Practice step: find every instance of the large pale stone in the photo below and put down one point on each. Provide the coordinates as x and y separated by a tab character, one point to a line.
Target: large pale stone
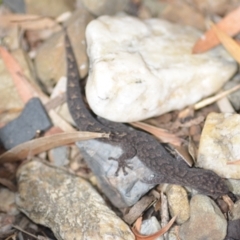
140	69
219	144
67	204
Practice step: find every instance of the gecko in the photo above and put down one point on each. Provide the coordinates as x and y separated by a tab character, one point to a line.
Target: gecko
134	142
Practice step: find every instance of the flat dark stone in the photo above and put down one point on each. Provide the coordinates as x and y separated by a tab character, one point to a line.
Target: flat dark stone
233	230
32	119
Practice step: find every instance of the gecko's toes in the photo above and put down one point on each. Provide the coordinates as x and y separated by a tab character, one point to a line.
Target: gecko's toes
122	164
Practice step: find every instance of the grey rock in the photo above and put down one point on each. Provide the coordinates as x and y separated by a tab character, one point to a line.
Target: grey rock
206	221
122	190
234	185
151	226
33	118
233	231
15	5
236	211
235	96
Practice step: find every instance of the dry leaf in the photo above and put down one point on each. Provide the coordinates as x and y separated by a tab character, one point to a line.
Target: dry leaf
186	113
5	182
137	225
160	133
229	24
192	149
36	146
237	162
183	152
16	72
229	202
27	22
231	46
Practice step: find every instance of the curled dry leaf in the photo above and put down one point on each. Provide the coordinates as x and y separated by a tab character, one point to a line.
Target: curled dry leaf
229	202
139	236
36	146
160	133
7	183
229	24
192	149
183	152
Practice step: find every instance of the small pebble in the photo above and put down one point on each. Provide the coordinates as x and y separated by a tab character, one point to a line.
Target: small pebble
206	221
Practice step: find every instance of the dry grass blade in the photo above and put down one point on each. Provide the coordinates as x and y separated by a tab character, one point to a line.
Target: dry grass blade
137	225
36	146
210	100
160	133
231	46
229	24
20	229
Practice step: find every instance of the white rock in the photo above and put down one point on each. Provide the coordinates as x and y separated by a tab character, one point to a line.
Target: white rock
140	69
234	186
219	144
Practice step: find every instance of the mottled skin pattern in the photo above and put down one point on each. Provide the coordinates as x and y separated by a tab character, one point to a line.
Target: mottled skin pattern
135	142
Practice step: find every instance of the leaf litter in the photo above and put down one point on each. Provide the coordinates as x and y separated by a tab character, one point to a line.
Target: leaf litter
218	34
